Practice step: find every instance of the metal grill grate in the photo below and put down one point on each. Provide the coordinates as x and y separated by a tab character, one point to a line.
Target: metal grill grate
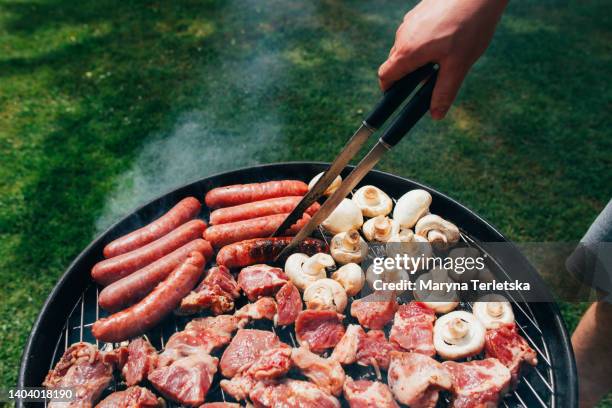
536	387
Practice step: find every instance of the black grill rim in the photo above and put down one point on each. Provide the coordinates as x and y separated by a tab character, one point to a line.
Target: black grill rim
48	325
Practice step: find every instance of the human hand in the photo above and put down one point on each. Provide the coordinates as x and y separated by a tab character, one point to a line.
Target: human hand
451	33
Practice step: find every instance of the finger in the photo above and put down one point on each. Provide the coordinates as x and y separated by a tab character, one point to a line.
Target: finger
398	65
449	81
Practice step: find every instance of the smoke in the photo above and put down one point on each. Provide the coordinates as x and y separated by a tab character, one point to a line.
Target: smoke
203	142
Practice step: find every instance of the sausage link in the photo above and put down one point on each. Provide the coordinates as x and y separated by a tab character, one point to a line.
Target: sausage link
187	209
271	206
113	269
262	227
247	193
129	290
147	313
264	250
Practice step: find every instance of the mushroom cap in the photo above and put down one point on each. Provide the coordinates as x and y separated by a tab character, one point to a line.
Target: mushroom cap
346	216
347	247
300	275
419	247
330	189
372	201
325	294
351	277
458	334
380	228
493	311
411	206
388	275
437	229
463	252
441	301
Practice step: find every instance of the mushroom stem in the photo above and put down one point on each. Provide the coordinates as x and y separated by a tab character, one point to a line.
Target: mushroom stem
371	195
351	241
317	263
457	330
495	309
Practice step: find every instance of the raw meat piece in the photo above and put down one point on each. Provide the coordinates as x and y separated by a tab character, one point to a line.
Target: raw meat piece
246	346
291	394
263	308
374	311
368	394
478	383
506	345
142	359
415	379
413	328
289	303
326	373
261	280
321	329
216	292
133	397
346	350
374	349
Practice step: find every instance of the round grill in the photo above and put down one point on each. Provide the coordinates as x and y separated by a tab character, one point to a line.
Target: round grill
72	306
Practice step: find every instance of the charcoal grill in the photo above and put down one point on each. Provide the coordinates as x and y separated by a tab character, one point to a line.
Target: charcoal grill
72	306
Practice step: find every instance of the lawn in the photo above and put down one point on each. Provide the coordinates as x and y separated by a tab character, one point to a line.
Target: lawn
105	104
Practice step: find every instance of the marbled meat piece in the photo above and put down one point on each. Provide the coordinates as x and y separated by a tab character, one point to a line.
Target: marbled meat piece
320	329
216	292
326	373
507	345
132	397
261	280
291	394
289	304
412	328
246	346
374	311
368	394
346	350
375	349
142	359
262	308
478	383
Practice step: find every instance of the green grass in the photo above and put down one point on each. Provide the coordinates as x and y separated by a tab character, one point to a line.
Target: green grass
104	104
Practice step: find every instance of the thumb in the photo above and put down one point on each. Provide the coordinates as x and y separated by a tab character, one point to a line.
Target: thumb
449	81
399	64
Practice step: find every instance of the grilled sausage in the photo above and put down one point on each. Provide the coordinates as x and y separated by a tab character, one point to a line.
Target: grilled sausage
113	269
263	250
262	227
184	211
151	310
129	290
271	206
247	193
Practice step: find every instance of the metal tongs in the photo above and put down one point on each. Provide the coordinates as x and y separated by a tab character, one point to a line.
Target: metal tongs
410	114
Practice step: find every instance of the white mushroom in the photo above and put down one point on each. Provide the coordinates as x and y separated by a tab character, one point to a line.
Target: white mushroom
393	275
325	294
462	273
372	201
346	216
457	335
493	311
411	206
331	188
347	247
302	270
442	301
437	230
380	228
351	277
405	242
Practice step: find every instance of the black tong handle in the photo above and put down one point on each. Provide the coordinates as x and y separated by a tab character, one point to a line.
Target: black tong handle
411	113
397	94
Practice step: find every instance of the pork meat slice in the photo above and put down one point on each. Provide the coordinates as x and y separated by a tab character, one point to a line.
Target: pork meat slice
261	280
412	328
142	359
186	380
478	383
86	370
220	405
262	308
375	310
326	373
320	329
132	397
291	394
216	292
289	304
346	350
375	350
246	346
415	379
368	394
512	350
